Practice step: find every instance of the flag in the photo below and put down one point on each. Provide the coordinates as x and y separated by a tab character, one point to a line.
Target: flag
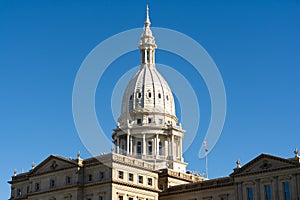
204	143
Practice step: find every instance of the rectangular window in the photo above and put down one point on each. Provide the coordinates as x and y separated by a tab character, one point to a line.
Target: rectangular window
130	198
139	121
37	186
19	192
268	195
160	148
102	175
101	198
139	148
286	189
249	194
141	179
68	180
121	175
149	181
90	177
149	148
120	197
52	183
130	177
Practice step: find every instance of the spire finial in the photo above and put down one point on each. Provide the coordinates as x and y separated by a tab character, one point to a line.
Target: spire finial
147	22
238	163
32	165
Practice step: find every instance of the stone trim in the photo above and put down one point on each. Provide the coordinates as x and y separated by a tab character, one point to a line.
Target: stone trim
203	185
135	186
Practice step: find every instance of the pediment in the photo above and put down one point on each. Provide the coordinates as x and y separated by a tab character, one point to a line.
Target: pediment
53	163
264	163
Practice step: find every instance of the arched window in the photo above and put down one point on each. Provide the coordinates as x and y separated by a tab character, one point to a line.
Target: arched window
139	95
149	94
139	148
160	148
148	56
149	148
159	95
167	97
90	177
143	56
177	149
130	97
122	147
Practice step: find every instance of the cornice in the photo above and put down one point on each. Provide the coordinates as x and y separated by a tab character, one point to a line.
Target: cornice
203	185
136	186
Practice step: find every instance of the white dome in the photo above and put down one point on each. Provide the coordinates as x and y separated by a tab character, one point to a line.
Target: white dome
148	95
148	98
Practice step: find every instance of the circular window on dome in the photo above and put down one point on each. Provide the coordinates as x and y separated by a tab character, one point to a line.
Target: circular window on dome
139	95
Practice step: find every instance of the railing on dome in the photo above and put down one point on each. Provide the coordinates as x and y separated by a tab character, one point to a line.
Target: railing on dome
145	157
132	161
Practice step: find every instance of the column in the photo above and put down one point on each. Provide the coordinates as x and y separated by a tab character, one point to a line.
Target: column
172	147
153	57
257	189
297	184
131	145
168	148
145	55
128	136
275	190
118	144
180	148
293	186
238	191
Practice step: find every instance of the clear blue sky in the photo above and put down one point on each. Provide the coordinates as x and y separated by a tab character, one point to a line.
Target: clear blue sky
256	46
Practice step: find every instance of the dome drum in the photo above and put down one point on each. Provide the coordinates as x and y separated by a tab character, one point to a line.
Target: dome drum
147	127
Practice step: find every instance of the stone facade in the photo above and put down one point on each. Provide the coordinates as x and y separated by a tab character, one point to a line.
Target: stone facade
147	163
109	176
114	176
265	177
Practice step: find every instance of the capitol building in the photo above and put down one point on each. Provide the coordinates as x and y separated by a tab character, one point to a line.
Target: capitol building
147	163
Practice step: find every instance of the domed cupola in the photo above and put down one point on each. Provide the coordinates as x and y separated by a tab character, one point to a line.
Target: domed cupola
147	127
148	97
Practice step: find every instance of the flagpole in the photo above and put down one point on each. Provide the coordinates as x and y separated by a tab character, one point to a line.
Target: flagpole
206	158
206	162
